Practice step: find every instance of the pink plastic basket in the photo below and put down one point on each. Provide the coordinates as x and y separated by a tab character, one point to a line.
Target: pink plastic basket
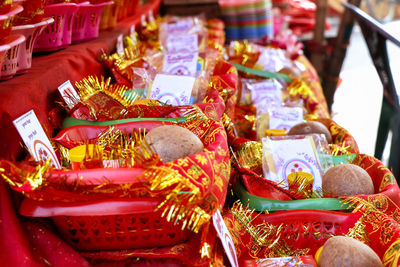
9	56
57	35
87	21
30	32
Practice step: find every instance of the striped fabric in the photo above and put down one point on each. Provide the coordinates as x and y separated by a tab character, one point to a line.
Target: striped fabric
247	19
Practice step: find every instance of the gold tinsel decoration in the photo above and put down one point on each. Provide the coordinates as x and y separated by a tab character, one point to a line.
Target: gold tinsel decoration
91	85
265	235
20	176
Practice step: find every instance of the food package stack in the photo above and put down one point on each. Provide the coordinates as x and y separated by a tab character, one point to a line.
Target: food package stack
247	19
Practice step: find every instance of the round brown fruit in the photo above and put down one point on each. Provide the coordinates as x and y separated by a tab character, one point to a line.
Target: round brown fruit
173	142
311	127
347	179
339	251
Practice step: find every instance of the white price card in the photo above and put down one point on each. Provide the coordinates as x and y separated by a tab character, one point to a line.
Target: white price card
35	138
225	238
180	63
120	44
172	89
69	94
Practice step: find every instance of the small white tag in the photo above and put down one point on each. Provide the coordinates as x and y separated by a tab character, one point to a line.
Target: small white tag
284	118
132	31
69	94
182	43
35	138
172	89
225	238
120	44
143	20
151	17
181	63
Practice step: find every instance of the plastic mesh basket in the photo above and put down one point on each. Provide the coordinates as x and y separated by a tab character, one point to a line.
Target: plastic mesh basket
144	230
87	21
11	49
109	224
31	32
58	34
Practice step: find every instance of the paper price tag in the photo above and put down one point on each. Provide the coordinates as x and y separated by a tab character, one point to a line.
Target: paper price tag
172	89
69	94
120	44
35	138
180	63
225	238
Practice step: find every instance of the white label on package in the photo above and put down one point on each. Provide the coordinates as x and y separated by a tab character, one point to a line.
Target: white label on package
69	94
181	25
120	44
225	238
172	89
288	156
182	43
35	138
266	92
180	63
284	118
272	59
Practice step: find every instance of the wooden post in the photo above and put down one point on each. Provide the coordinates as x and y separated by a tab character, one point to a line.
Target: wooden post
336	58
318	43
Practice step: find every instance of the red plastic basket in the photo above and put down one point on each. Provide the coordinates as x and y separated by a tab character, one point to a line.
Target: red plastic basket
59	34
87	21
300	231
109	224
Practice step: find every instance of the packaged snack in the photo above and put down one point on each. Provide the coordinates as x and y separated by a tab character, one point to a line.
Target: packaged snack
175	90
284	155
272	59
179	34
277	117
264	92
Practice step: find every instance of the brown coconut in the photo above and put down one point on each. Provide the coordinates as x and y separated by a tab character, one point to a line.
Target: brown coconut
340	251
347	179
311	127
173	142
